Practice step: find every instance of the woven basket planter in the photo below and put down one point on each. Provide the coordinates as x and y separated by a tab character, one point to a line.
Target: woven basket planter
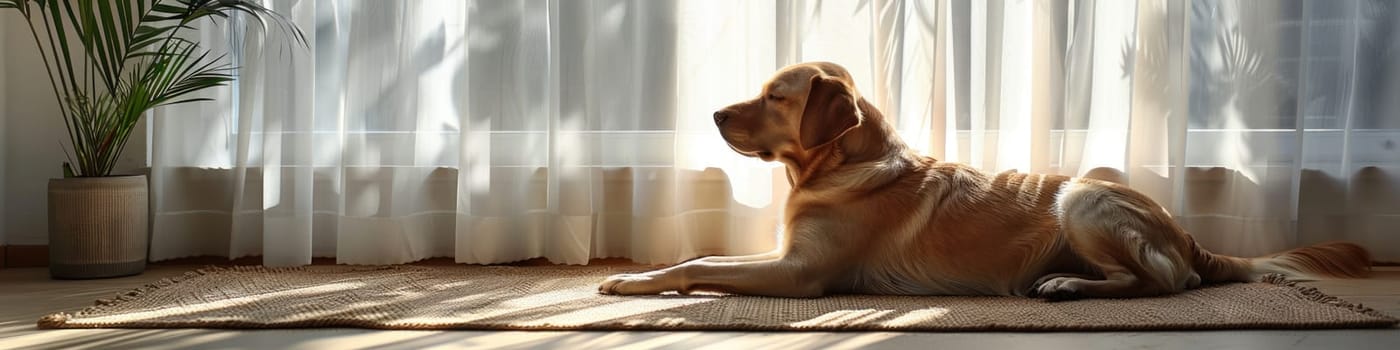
97	226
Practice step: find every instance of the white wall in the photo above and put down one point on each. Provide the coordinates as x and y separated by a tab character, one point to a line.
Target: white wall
30	132
3	116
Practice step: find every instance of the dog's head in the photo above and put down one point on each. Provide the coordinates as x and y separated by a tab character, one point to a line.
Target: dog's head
802	108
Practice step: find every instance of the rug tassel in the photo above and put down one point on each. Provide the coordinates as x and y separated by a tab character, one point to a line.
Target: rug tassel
54	320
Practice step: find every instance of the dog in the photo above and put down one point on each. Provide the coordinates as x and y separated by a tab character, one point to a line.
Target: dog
867	215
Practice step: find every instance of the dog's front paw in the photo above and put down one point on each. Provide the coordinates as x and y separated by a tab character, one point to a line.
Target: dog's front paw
632	284
1059	288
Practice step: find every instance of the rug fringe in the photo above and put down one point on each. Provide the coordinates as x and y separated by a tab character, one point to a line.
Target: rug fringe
60	319
1315	295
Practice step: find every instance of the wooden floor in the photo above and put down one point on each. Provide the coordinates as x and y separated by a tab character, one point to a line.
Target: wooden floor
27	294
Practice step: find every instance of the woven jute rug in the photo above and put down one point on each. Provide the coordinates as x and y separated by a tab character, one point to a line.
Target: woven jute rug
565	298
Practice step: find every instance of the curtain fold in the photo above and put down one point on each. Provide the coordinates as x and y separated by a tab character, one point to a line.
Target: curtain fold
496	131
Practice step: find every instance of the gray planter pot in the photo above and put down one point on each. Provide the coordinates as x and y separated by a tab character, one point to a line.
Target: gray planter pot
97	227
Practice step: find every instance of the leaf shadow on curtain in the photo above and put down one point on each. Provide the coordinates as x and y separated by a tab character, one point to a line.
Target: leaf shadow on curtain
1229	206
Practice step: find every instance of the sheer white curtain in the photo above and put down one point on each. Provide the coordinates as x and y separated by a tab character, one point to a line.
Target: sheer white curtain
488	131
494	131
1261	125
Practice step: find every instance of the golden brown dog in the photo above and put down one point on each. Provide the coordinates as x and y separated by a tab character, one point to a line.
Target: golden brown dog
867	215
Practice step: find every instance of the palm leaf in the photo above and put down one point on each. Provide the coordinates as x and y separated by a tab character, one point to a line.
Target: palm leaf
124	57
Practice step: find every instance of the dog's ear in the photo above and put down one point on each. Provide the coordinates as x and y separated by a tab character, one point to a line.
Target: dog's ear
830	112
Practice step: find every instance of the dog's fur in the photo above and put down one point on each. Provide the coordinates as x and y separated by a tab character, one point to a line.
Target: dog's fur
867	215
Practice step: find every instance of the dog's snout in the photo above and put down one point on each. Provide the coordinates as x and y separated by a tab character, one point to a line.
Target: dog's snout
721	116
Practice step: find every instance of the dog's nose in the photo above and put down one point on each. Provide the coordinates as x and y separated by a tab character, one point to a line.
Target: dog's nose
720	117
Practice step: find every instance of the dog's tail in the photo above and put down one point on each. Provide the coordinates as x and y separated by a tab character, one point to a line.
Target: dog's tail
1326	260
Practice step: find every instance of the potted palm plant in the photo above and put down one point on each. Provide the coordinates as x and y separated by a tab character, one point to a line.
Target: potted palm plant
109	62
